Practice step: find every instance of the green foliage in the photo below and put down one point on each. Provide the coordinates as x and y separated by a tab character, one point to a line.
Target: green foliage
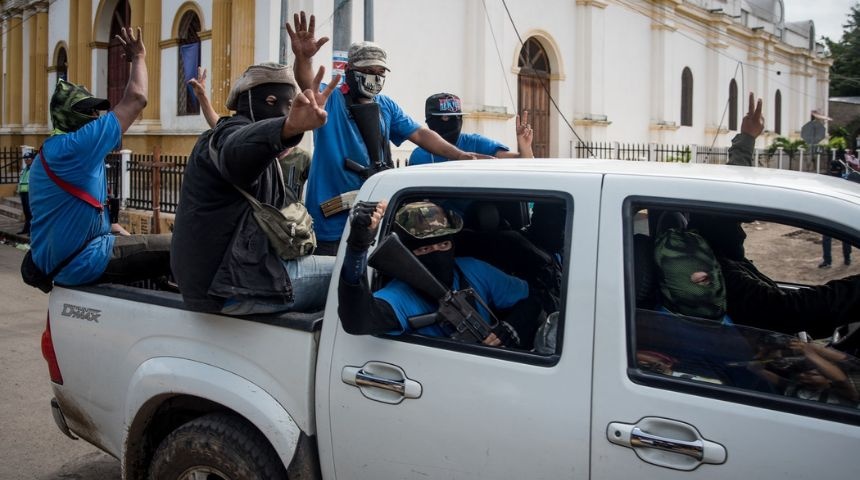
789	147
839	143
684	157
845	72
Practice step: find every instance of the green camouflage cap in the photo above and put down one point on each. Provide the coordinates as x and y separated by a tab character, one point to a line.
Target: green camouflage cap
424	220
679	254
71	106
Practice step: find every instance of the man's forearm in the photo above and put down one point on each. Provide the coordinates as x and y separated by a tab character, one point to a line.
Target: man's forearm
741	151
136	88
433	143
303	70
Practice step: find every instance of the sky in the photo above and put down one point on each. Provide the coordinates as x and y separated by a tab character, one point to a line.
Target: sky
828	15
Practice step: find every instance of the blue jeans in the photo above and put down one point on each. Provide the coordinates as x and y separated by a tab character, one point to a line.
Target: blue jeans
309	277
825	247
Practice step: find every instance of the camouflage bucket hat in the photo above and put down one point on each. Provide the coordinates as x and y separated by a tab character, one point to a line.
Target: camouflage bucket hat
682	257
424	220
71	106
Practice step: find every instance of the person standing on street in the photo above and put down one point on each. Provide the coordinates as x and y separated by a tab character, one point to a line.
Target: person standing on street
24	191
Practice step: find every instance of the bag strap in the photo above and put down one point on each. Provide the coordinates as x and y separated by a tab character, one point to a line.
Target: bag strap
288	192
72	190
56	271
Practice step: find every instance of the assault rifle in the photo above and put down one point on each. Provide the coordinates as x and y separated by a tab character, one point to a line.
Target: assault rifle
456	307
366	116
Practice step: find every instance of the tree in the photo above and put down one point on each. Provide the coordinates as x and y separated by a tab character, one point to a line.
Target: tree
845	72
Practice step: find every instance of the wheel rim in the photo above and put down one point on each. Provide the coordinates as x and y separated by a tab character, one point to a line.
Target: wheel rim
203	473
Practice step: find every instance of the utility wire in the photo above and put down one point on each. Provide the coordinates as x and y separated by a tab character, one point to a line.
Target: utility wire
499	54
546	85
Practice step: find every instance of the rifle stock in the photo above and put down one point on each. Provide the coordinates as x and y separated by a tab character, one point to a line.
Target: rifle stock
366	116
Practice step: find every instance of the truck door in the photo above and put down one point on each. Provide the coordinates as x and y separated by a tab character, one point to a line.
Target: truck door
413	406
685	391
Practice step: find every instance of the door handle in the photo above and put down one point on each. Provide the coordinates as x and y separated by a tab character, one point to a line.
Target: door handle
652	438
640	439
382	382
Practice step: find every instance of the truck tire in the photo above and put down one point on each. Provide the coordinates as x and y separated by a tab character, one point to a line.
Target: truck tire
216	446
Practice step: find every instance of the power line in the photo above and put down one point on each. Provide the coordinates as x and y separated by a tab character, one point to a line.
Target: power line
545	85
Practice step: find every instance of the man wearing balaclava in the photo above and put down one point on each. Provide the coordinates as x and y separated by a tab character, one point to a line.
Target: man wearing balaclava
221	258
340	139
444	115
427	230
753	298
69	229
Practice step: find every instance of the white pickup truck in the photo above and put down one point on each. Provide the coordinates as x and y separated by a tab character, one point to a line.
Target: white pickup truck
625	389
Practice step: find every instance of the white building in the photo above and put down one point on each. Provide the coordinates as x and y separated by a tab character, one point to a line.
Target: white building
666	71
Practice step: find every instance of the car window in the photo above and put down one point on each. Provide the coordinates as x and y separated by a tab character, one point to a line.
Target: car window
510	253
739	303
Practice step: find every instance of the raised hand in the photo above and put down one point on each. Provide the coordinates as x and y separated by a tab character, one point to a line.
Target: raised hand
753	122
302	39
524	129
131	46
199	84
364	220
308	110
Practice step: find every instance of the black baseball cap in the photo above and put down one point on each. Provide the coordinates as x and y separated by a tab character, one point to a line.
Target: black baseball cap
443	104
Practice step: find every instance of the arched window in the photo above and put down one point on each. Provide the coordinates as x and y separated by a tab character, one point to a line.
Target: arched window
533	92
687	98
777	112
733	105
188	61
118	70
62	65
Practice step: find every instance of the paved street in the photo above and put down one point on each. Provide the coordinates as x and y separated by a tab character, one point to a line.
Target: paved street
31	446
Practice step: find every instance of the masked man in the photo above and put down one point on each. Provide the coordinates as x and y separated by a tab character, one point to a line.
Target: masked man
343	157
444	115
427	229
222	259
75	230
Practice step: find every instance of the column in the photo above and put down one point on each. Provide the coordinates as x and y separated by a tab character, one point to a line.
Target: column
242	38
221	77
665	82
147	15
14	68
590	108
83	54
39	65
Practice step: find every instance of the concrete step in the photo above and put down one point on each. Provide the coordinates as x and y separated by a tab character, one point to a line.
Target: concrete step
11	212
11	201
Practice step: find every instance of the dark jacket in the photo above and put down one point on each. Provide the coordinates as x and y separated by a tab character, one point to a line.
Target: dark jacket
218	250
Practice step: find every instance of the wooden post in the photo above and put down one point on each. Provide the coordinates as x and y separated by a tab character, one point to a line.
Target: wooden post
156	165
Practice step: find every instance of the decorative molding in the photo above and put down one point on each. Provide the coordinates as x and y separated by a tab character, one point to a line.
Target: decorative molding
663	26
588	122
489	115
663	125
205	35
99	45
172	42
712	130
593	3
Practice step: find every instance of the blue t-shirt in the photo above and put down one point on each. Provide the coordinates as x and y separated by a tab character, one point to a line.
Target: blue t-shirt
62	222
498	290
337	140
467	142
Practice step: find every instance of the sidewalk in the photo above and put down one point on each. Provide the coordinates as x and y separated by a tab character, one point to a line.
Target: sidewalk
9	229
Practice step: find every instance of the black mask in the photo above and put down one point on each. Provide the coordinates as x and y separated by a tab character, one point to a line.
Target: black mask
447	129
441	265
252	104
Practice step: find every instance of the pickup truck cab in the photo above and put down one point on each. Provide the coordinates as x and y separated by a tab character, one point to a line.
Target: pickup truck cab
619	388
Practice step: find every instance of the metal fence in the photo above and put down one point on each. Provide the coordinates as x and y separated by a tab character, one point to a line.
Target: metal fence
10	164
149	171
805	161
